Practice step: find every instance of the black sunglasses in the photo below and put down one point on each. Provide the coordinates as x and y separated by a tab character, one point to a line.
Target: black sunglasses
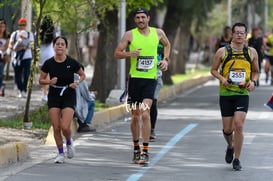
21	25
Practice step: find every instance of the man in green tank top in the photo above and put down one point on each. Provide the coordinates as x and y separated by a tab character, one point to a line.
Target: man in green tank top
142	42
237	78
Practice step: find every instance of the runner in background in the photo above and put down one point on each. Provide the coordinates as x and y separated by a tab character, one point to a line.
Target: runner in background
153	111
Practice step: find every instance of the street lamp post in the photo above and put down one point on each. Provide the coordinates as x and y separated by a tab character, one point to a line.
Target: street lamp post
122	28
265	15
26	12
229	12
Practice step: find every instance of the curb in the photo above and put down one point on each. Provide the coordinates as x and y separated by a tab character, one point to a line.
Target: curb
18	151
13	152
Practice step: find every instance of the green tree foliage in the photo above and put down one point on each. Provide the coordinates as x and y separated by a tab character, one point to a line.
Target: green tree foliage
11	12
183	18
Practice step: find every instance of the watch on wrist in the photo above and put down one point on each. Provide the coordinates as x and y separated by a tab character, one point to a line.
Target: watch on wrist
166	58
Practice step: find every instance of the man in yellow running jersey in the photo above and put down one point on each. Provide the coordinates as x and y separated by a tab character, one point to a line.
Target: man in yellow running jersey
237	78
142	42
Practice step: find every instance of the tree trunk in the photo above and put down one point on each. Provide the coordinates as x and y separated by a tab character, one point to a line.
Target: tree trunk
74	48
175	51
170	26
33	66
105	72
182	57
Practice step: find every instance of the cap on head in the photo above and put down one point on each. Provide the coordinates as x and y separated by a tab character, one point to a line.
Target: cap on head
22	21
141	10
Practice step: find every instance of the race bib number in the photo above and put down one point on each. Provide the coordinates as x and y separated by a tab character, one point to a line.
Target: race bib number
237	75
145	62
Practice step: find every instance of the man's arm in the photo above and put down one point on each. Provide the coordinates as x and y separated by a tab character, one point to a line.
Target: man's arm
163	65
216	64
120	50
254	65
165	42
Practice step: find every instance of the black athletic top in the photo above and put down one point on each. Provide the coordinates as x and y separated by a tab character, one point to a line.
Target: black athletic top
64	71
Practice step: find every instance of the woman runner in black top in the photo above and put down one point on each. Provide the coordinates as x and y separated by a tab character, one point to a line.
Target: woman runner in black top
62	94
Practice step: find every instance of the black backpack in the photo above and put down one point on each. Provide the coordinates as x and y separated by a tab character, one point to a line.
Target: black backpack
229	50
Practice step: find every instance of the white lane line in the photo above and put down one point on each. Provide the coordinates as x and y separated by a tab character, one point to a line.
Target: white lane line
163	151
264	115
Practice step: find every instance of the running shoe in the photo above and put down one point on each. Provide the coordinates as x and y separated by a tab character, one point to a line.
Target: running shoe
136	156
85	128
144	158
229	155
19	95
44	98
59	158
70	150
236	165
24	94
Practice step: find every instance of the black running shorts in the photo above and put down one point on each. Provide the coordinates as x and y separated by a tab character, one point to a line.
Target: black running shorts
139	89
270	58
231	104
68	99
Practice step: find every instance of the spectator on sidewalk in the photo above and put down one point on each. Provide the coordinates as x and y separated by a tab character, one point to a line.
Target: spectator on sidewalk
85	106
4	42
21	70
47	34
24	43
62	94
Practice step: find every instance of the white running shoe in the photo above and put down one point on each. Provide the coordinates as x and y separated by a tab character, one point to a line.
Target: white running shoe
19	95
44	98
70	150
59	158
24	94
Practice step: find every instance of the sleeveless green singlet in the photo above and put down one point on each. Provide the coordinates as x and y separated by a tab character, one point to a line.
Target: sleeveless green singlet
145	65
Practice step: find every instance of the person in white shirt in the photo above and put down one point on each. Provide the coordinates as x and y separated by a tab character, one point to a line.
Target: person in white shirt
21	70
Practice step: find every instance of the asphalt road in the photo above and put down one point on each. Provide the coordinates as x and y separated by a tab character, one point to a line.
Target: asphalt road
189	146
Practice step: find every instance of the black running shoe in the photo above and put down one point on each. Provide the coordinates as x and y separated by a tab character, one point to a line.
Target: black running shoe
236	165
229	155
136	156
144	158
